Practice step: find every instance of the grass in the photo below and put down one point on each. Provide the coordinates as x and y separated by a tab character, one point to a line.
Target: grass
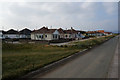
88	43
20	59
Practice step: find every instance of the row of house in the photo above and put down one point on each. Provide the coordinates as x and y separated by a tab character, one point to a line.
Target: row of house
42	34
14	34
98	33
49	34
54	34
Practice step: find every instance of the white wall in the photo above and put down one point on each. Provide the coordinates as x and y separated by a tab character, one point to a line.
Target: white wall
34	36
67	36
61	35
12	36
49	37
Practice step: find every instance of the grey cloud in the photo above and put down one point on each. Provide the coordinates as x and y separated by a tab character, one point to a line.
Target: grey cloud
79	15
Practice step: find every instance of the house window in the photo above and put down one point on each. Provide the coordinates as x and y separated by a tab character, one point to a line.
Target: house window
69	36
66	36
54	36
45	35
42	36
39	36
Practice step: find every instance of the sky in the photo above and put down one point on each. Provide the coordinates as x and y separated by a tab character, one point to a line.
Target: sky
79	15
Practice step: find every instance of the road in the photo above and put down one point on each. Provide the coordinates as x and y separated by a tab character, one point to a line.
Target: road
93	64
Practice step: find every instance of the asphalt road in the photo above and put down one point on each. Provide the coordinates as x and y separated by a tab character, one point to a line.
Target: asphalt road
93	64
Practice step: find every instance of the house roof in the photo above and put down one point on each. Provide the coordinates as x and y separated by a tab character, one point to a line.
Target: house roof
92	32
4	32
11	31
61	31
44	30
102	31
25	31
70	31
107	32
51	30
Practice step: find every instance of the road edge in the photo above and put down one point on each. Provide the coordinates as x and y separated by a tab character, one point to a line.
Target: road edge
113	69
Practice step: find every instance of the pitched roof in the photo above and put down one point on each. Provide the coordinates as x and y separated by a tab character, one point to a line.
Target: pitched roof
92	32
25	31
60	30
4	32
70	31
102	31
44	30
11	31
51	30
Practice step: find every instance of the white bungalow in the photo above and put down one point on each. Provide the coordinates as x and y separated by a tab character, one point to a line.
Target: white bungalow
45	34
25	33
12	34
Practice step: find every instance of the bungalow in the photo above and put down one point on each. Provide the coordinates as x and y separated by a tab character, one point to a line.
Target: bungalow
54	34
107	33
104	33
70	33
92	33
25	33
11	34
45	34
98	33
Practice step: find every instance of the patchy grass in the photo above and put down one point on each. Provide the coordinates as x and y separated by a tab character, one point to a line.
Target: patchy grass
19	59
91	42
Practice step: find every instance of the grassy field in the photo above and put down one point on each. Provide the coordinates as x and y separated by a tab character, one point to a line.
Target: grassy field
19	59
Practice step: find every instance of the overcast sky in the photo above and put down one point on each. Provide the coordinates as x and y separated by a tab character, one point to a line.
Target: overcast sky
79	15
